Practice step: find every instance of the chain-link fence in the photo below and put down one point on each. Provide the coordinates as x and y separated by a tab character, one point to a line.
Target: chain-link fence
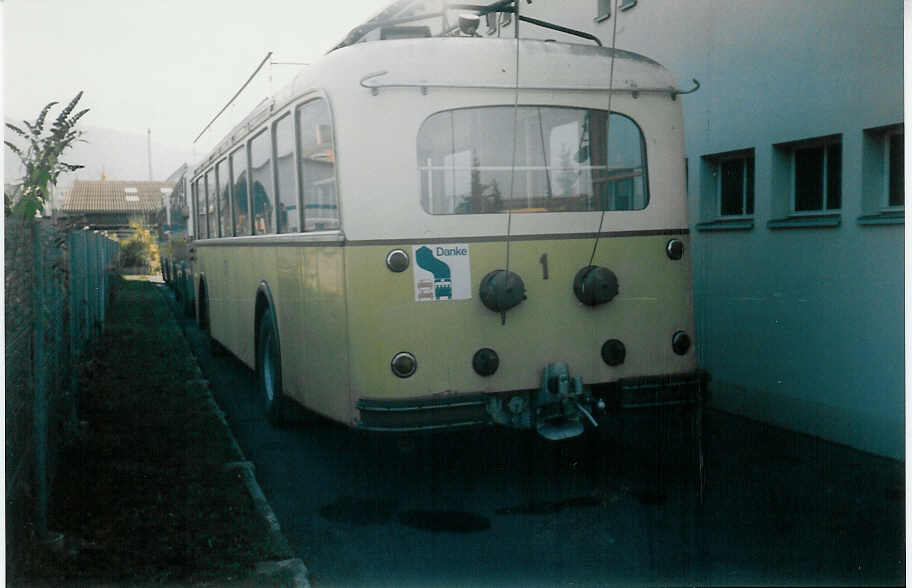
57	288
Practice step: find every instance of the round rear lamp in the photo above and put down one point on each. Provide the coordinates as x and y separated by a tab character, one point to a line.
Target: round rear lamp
485	361
613	352
397	260
675	249
404	364
680	342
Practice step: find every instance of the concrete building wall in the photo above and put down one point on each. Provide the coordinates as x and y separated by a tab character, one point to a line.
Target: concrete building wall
799	320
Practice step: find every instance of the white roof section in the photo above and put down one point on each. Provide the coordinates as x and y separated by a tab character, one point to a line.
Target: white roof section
462	62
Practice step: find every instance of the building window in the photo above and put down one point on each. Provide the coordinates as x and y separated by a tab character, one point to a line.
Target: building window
730	184
816	184
883	176
893	169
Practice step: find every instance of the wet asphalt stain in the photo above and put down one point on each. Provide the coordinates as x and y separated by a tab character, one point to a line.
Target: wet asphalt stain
650	497
359	512
448	521
551	507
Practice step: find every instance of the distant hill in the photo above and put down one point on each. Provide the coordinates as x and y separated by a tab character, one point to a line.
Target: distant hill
120	155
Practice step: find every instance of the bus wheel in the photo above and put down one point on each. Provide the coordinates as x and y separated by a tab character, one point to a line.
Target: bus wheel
269	370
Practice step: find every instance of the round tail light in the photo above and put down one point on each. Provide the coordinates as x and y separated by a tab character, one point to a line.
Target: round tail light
485	361
404	364
397	260
614	352
680	342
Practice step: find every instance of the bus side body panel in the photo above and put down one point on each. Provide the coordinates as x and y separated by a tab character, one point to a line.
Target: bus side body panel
313	328
232	275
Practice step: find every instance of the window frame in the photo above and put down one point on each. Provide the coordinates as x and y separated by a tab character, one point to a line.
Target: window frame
194	196
643	152
743	155
823	143
250	196
218	227
296	119
234	217
885	205
218	192
296	183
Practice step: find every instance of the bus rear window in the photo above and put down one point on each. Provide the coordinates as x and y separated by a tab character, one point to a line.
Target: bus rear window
567	160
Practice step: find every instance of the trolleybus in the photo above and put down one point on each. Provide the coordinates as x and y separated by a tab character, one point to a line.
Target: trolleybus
449	231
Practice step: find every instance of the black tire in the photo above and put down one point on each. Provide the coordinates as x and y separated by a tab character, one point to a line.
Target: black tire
269	370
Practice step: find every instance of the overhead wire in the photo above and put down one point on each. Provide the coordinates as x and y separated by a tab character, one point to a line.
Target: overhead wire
598	233
506	275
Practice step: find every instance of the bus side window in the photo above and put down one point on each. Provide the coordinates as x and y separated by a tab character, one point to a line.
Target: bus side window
317	167
261	183
211	198
201	209
287	218
239	193
224	181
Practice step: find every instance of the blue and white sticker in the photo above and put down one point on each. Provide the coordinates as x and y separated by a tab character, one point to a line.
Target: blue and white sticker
442	272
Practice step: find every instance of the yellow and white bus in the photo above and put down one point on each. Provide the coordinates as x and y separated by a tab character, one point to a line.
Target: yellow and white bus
427	233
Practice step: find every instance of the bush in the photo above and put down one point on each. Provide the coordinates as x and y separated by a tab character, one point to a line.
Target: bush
140	249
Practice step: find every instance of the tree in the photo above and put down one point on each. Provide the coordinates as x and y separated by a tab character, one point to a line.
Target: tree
140	249
41	157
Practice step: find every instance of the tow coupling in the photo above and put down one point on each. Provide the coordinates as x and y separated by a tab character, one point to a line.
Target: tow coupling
556	409
561	403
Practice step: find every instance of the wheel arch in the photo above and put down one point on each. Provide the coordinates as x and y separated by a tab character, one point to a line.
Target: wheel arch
264	302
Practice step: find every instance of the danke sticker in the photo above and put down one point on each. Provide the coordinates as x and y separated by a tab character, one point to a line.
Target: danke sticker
442	272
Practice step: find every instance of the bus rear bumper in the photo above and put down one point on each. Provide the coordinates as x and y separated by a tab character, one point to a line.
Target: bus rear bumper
555	415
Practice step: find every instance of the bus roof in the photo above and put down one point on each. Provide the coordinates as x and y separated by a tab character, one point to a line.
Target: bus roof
461	62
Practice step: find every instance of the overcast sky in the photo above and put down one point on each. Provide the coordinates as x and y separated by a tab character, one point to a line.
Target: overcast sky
168	65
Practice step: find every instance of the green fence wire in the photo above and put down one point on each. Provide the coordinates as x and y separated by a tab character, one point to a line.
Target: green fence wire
57	289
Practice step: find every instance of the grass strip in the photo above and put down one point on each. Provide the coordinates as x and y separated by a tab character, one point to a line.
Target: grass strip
144	488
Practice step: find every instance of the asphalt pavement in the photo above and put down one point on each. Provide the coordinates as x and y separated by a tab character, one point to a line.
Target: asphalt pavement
493	507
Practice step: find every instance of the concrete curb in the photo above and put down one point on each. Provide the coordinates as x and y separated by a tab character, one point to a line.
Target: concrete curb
286	572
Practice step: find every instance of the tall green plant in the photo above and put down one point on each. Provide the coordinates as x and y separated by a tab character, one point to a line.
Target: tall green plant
41	157
140	249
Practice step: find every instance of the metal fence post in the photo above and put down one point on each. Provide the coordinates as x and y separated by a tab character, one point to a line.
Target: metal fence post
74	322
86	308
40	394
99	255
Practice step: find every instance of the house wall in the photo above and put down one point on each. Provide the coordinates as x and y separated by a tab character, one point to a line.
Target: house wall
800	326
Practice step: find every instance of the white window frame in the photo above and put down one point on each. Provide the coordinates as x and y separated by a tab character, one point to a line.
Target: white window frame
742	156
885	195
814	144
